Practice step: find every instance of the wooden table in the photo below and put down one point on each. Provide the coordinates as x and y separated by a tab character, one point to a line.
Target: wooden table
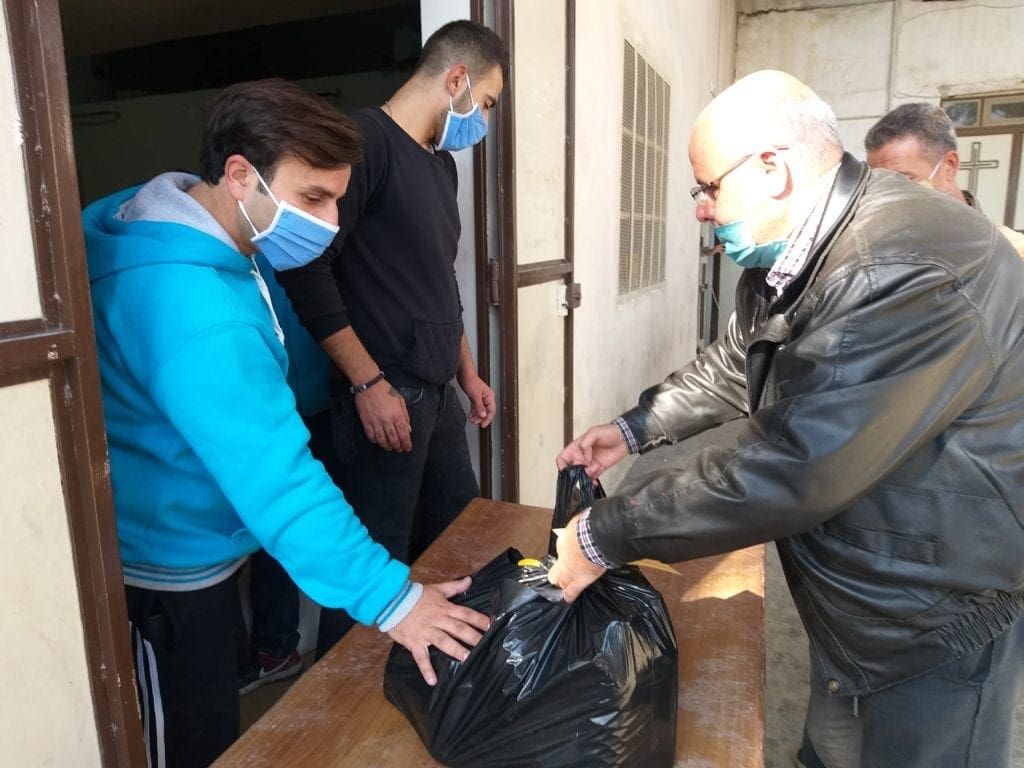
336	713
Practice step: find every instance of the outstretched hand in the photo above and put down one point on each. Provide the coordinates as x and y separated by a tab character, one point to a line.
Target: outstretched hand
597	449
434	621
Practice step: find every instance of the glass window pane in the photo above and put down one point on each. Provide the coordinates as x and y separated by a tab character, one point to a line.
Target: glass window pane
963	114
1004	111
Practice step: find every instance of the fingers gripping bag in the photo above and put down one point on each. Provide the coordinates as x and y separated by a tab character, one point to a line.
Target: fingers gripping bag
550	684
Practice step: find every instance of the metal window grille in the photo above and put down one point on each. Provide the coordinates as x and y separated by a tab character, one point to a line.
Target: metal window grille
645	109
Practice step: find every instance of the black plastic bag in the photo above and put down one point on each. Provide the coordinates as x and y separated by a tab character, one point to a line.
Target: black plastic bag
550	685
574	493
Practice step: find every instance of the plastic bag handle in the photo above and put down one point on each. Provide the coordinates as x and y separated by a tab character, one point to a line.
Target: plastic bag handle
574	493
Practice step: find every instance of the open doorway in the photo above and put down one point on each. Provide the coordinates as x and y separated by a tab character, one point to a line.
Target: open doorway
138	78
137	81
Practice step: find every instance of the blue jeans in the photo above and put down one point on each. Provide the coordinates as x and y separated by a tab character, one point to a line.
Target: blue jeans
405	499
961	715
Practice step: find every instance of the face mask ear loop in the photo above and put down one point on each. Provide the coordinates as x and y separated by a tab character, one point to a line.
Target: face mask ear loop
469	90
242	209
267	186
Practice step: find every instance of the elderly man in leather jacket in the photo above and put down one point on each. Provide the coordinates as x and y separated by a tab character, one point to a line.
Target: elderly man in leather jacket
877	351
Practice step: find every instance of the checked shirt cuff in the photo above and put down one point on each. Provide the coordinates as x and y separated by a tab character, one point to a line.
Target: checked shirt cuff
586	539
627	434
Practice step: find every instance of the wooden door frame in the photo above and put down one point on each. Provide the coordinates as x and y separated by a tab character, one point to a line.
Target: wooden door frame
61	347
510	275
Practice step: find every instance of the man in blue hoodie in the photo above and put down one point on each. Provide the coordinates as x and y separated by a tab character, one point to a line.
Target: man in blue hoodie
208	455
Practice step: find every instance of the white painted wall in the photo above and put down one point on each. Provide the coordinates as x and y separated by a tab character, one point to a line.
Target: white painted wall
19	298
46	707
624	344
866	58
45	702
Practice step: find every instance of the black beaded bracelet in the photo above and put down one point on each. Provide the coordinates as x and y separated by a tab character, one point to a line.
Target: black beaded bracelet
363	387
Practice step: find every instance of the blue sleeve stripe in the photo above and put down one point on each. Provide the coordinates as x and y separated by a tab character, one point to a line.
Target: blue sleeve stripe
400	607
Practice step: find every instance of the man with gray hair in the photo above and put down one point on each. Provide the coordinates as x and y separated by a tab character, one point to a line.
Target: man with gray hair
919	141
880	369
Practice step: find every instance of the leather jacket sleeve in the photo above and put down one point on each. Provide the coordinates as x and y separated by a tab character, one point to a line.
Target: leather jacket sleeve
880	360
709	391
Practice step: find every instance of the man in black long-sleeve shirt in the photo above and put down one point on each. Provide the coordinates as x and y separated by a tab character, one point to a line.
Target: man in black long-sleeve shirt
383	301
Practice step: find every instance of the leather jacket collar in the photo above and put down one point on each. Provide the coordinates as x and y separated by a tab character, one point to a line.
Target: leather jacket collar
842	200
773	318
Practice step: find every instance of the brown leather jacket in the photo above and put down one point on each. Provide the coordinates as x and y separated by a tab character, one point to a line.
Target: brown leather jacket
884	448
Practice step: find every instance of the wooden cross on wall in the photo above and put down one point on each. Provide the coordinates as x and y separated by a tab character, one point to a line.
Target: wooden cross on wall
974	165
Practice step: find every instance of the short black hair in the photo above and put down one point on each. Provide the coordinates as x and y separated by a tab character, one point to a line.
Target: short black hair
267	120
463	42
928	123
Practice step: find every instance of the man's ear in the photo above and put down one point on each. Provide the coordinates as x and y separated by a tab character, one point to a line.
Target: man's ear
778	178
238	176
454	79
950	164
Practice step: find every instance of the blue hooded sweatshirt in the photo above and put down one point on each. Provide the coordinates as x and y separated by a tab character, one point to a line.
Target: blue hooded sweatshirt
208	456
308	364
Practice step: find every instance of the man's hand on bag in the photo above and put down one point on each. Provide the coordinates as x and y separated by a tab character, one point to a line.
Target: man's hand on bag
385	419
434	621
597	449
572	571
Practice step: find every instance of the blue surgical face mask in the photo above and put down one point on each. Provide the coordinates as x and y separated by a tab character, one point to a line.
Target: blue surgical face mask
461	131
741	248
294	238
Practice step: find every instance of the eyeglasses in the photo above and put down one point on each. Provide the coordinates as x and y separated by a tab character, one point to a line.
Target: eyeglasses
706	193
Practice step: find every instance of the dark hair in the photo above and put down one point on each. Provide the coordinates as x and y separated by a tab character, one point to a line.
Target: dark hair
928	123
463	42
266	120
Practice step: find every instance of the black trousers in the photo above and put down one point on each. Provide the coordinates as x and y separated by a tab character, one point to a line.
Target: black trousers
186	668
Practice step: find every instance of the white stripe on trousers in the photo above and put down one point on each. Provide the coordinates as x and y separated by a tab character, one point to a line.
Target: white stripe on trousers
152	704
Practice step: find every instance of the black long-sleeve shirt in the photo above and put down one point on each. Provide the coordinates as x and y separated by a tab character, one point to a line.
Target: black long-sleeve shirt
389	273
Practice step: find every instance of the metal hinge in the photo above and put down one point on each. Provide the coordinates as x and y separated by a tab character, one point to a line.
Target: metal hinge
574	295
493	273
568	297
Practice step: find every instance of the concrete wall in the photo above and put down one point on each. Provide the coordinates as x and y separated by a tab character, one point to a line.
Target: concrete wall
45	706
626	343
866	58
